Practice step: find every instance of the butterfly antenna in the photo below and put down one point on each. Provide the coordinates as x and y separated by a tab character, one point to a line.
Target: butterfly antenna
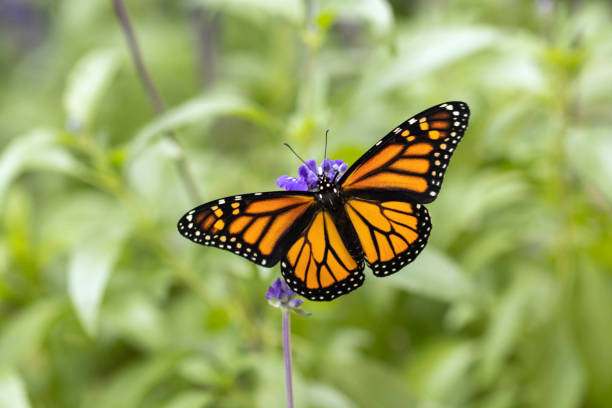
297	155
336	177
325	151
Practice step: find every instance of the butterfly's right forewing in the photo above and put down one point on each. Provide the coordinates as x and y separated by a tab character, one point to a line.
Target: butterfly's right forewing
259	227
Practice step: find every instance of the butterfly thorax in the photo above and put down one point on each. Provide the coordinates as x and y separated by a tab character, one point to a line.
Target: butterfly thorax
328	193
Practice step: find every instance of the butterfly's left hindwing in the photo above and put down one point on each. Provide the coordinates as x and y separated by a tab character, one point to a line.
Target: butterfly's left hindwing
259	226
319	265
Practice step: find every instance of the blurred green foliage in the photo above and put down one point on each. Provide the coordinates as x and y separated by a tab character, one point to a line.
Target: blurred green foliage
103	304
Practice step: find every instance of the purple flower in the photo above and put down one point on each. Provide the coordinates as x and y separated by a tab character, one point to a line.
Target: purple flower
291	183
280	295
308	175
295	303
333	168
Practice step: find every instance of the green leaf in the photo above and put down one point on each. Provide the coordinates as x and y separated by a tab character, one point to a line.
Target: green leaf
324	396
466	202
354	377
193	111
422	53
129	387
90	266
270	392
446	380
137	319
72	218
38	149
377	13
259	10
506	324
151	172
199	370
12	390
559	379
437	371
592	328
23	333
591	149
89	78
435	275
190	399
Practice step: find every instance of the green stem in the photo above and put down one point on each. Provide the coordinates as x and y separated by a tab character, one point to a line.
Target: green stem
154	97
287	354
307	93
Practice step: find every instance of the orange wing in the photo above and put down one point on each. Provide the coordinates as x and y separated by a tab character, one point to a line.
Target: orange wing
411	160
318	265
259	226
391	233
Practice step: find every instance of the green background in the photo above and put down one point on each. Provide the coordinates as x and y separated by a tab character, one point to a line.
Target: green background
104	304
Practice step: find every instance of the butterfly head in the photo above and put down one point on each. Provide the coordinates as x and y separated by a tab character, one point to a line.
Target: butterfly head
324	183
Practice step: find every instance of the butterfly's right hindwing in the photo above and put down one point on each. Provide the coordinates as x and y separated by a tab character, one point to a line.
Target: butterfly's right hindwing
392	233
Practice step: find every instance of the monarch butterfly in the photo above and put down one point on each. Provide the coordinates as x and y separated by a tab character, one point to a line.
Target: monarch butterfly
373	212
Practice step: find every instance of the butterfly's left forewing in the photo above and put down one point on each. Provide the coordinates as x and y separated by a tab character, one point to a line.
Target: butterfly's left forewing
259	227
410	161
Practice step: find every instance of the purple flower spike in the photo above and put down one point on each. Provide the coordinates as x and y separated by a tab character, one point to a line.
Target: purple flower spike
308	175
334	168
295	303
312	165
291	183
280	291
326	165
280	295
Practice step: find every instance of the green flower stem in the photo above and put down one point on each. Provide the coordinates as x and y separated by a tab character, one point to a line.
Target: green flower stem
287	353
154	97
307	91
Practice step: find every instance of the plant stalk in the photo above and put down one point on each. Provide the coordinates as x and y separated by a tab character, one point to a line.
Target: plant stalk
153	94
287	353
